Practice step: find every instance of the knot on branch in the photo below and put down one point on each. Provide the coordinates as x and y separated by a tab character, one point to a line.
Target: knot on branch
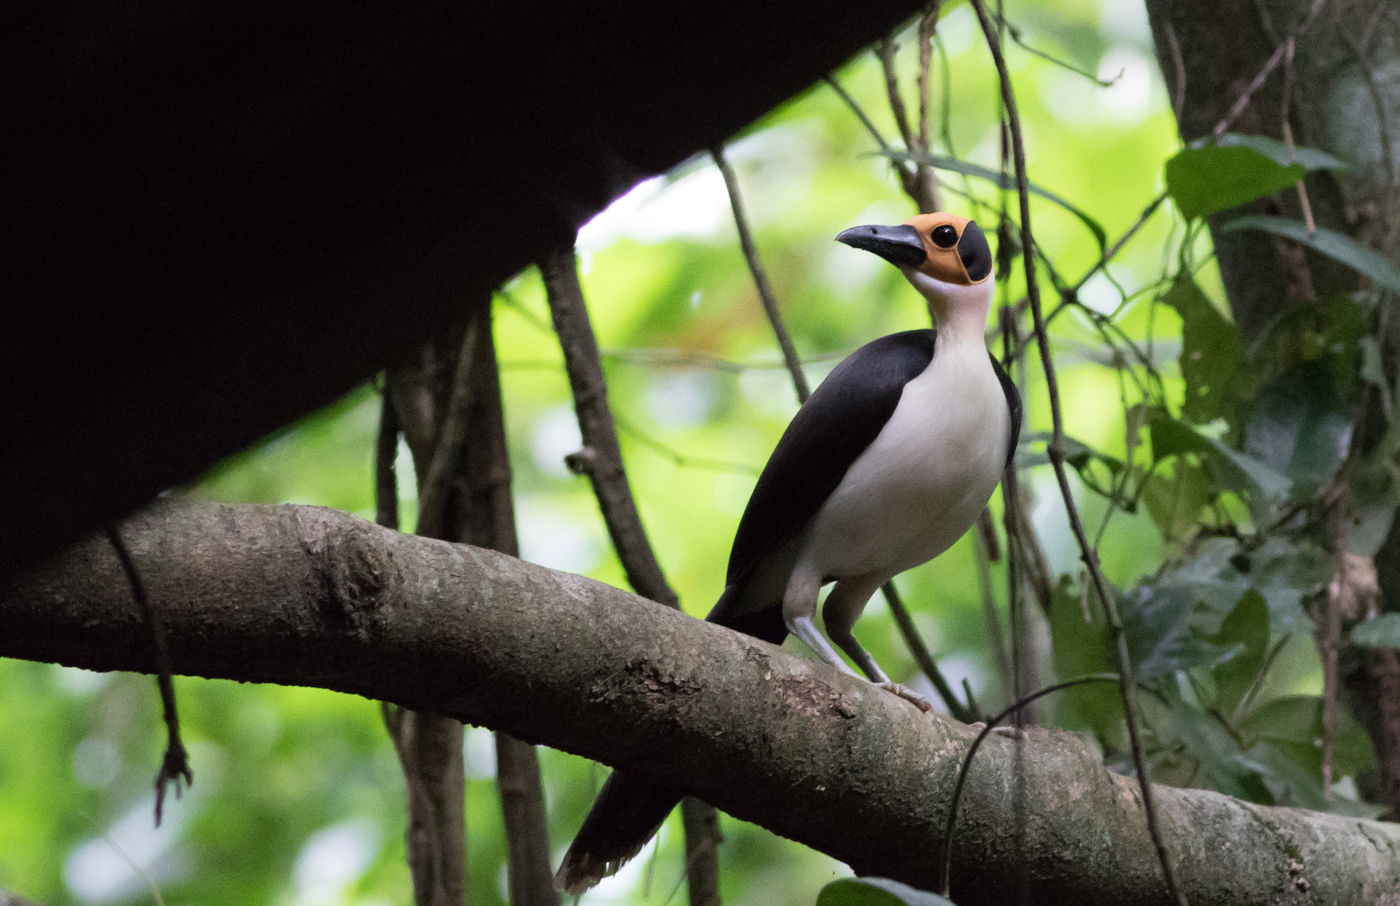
582	462
358	573
810	695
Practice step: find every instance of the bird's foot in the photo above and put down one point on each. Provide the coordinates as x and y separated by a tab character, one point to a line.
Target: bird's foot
908	695
1007	731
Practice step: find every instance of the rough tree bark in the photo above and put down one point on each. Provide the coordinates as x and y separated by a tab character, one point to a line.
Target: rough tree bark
310	596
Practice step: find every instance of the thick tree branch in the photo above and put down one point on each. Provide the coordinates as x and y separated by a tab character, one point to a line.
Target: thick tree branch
310	596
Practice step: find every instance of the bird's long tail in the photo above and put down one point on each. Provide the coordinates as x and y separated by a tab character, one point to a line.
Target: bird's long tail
632	806
627	812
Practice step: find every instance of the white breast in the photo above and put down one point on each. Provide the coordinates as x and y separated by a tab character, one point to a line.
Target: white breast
924	479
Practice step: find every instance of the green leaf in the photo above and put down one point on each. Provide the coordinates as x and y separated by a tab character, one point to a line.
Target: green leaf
1224	766
1175	497
1294	724
1360	258
1301	424
1001	181
1309	158
877	892
1381	632
1212	354
1226	171
1203	181
1237	471
1246	630
1283	572
1157	623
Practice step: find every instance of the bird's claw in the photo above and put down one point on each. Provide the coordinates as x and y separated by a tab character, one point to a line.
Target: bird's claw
1007	731
908	695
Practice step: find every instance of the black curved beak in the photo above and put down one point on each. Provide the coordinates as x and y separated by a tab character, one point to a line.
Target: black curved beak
899	245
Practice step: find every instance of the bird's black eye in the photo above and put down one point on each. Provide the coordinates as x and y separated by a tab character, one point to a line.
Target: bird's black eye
945	236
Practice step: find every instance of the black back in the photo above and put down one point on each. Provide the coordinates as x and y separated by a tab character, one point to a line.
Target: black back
829	432
1013	405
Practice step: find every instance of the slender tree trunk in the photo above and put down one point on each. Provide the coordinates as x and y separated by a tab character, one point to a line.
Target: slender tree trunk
430	399
490	523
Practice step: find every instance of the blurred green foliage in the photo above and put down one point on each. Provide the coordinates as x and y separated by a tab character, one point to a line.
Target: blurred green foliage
297	796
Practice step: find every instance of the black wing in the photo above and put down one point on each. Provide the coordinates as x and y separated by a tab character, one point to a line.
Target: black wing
826	435
1013	405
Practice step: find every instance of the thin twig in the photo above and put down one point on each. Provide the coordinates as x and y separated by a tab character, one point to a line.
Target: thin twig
760	276
483	484
386	480
1112	251
964	713
683	460
175	765
436	419
1241	102
915	178
1057	459
885	148
964	768
928	27
688	358
886	49
1179	64
1016	37
982	561
1017	541
601	457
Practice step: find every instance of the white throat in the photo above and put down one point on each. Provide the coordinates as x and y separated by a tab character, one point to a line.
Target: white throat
959	311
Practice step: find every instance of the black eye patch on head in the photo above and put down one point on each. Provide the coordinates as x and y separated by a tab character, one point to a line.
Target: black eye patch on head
975	253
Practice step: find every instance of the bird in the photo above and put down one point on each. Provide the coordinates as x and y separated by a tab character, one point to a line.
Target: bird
888	462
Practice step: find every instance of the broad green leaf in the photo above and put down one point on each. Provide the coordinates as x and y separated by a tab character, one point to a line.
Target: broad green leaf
1001	181
1238	471
877	892
1300	424
1246	630
1203	181
1360	258
1224	766
1295	784
1291	782
1157	622
1308	158
1282	571
1294	724
1381	632
1212	354
1080	647
1375	498
1175	497
1214	174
